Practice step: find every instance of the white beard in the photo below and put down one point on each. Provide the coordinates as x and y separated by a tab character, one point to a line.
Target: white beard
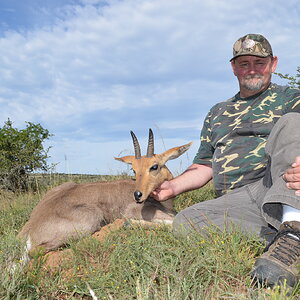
253	82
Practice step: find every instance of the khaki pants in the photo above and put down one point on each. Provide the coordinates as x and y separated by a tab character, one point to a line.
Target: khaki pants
256	207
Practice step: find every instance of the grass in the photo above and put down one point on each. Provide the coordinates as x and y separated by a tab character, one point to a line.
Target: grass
133	262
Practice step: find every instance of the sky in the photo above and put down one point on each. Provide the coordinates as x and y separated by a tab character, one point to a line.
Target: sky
90	71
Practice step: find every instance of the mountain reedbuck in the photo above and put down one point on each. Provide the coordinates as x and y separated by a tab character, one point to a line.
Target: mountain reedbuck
70	210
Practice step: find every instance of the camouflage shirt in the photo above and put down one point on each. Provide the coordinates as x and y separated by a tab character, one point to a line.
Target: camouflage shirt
235	133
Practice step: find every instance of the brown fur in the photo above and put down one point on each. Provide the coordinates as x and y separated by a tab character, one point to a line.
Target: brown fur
71	210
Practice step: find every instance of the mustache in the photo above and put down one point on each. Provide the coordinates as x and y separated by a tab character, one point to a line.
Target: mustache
256	76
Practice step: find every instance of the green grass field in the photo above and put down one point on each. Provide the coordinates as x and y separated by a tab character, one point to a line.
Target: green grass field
132	262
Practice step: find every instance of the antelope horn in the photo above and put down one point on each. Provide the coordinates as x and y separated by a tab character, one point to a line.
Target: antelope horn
137	149
150	149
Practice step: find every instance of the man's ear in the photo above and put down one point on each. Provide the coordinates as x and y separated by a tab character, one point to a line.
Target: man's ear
233	66
274	63
126	159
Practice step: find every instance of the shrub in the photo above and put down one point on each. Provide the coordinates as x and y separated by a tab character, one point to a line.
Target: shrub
21	152
294	81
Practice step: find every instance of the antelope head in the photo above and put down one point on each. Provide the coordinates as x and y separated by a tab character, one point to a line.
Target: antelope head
150	170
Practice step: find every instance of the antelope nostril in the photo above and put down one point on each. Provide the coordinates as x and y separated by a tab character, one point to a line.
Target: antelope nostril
138	195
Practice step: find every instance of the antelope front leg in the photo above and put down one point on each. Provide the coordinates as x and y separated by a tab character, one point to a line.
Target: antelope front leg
107	229
152	224
148	213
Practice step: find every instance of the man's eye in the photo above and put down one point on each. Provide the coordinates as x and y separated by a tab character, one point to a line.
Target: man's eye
154	167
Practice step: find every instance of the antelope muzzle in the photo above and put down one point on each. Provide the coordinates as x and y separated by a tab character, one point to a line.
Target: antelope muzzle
138	196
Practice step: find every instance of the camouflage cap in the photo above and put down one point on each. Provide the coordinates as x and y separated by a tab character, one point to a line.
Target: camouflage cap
252	44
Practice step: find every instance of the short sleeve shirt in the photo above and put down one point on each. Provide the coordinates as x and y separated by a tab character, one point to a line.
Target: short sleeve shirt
235	132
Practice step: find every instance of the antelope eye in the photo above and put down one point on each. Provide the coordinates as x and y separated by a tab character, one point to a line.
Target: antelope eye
132	170
154	167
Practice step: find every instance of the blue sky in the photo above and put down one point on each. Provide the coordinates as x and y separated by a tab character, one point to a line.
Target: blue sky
90	71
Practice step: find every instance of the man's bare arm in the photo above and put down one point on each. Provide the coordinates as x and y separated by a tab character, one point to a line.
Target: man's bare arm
193	178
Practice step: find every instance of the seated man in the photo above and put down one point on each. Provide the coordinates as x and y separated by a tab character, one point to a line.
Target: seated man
250	147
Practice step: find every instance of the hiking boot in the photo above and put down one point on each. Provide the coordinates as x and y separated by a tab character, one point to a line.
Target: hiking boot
280	260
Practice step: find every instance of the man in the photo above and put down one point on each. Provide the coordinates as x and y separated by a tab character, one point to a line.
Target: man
250	147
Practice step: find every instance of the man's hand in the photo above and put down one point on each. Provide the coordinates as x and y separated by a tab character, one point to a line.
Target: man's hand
194	177
163	192
292	176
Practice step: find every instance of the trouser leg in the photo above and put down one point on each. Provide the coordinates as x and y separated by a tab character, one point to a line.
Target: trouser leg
238	207
283	146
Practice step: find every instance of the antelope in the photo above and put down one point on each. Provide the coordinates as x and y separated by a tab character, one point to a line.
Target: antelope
71	210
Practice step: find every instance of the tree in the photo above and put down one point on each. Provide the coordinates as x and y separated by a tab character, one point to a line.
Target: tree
21	153
294	81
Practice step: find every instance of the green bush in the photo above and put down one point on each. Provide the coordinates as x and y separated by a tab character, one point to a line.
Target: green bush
294	81
21	153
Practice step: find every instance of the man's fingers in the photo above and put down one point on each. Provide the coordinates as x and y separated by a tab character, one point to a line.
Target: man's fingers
294	170
291	177
296	162
293	185
155	192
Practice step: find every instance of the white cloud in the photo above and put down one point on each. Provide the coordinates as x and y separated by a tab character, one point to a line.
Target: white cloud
102	68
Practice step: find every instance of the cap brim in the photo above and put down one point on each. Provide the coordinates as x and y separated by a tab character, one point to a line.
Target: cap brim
249	54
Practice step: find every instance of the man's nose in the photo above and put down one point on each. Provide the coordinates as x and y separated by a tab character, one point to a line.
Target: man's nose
252	69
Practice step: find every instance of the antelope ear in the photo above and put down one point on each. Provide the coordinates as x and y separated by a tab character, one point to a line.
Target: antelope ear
126	159
174	152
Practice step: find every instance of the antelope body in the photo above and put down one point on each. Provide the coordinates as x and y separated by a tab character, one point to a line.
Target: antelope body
71	210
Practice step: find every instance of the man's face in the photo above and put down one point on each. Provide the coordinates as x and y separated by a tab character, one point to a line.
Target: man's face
253	73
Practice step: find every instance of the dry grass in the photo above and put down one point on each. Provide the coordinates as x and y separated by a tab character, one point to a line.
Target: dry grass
132	262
